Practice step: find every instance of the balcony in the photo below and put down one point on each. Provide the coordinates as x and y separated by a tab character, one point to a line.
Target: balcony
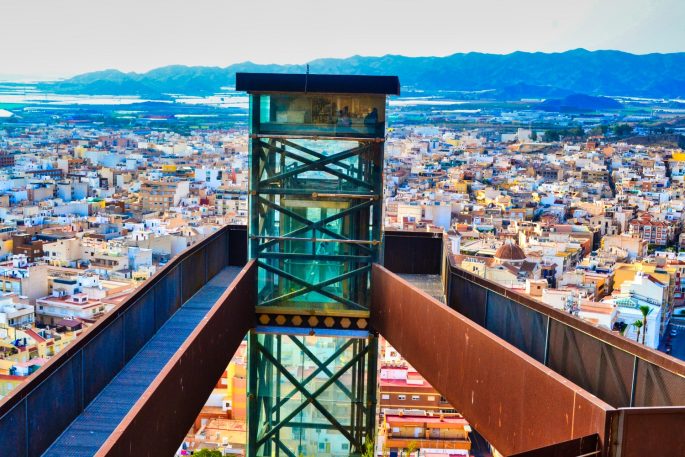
400	442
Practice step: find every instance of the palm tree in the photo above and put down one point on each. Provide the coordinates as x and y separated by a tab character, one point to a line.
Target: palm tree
645	310
411	448
638	326
368	449
622	327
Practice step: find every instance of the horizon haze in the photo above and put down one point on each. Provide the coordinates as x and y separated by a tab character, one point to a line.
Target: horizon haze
60	39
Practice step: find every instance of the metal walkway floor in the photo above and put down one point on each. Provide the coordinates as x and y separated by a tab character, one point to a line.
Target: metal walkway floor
90	429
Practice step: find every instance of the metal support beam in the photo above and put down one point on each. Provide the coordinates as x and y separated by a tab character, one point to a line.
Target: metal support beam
343	388
315	229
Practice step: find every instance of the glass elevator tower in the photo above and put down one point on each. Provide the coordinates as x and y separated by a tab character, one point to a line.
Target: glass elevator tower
316	185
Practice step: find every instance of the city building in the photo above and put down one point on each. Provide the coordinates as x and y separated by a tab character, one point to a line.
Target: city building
425	435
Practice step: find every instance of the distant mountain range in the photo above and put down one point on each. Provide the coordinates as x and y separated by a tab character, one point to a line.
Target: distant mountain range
580	102
473	75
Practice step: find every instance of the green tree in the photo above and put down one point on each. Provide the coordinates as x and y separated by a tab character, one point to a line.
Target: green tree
207	453
645	310
622	129
411	448
369	448
599	130
533	136
550	136
638	327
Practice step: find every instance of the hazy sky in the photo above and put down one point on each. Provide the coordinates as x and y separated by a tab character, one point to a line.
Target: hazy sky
47	38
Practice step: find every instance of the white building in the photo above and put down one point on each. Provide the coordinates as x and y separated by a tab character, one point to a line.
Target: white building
643	290
15	314
213	177
52	309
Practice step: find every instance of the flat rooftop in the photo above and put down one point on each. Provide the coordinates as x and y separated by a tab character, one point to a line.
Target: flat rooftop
330	84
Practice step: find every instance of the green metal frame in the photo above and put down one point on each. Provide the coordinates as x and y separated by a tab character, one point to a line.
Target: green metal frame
356	185
273	411
315	229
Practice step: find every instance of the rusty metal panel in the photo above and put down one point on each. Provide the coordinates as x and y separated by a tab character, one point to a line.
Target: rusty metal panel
139	324
586	446
63	372
54	404
102	359
515	402
651	432
13	426
467	298
86	434
193	273
187	380
595	366
521	326
412	252
657	358
167	296
599	361
658	387
217	255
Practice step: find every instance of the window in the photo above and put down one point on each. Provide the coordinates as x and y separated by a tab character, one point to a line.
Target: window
415	397
402	397
431	398
385	397
359	114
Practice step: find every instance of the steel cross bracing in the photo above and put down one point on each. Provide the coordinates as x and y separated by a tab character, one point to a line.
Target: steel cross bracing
275	180
320	163
315	225
318	287
341	380
315	230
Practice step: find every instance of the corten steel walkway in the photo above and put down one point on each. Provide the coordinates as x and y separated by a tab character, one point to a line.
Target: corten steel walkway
532	380
97	422
199	302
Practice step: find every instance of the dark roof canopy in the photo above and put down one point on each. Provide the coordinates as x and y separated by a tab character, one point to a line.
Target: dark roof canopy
332	84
